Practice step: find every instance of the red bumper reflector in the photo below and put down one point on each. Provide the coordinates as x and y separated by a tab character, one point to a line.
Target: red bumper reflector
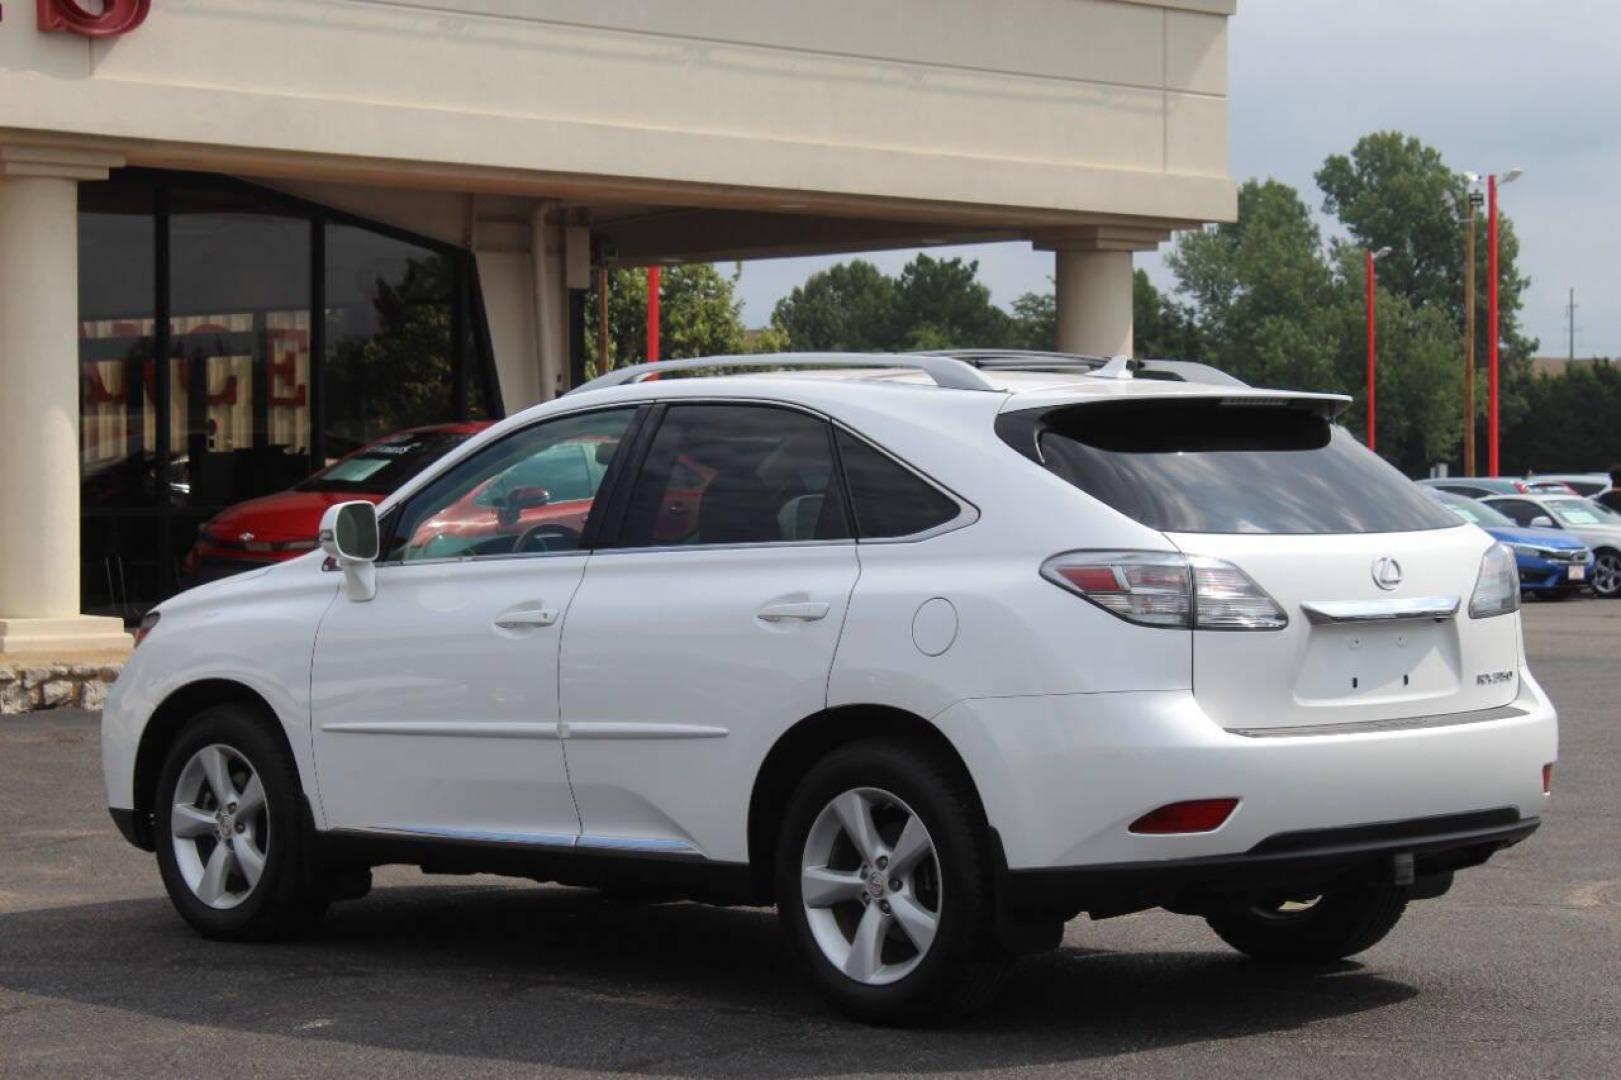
1200	815
1547	779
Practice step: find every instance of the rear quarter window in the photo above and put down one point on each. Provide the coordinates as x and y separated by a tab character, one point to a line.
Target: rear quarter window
890	501
1210	467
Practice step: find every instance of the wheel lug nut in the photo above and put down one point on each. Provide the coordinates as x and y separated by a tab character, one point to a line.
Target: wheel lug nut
230	808
883	905
894	884
883	862
241	827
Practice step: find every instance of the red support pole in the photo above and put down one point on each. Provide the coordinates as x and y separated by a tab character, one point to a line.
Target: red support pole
652	314
1493	335
1373	353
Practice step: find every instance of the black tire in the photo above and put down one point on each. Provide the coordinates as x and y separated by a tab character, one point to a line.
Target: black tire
1338	925
289	897
965	965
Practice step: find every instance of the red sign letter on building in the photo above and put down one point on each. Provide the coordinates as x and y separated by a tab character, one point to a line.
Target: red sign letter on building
116	17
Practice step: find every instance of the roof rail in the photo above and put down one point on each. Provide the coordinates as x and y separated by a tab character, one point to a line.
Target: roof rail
1191	371
946	371
1102	366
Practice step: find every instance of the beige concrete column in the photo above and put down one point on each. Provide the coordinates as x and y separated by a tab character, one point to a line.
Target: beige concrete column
1094	302
39	403
1093	273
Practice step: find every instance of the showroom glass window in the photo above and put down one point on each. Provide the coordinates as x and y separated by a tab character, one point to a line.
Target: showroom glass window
288	335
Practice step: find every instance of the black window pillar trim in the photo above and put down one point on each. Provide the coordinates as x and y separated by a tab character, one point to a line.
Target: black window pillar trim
484	349
317	341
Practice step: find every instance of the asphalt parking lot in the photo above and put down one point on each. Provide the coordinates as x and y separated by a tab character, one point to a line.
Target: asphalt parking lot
1514	973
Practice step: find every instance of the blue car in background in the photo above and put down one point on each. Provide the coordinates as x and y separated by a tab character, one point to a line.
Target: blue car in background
1552	564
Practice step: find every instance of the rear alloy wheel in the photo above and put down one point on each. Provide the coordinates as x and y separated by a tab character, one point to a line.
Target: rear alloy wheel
1606	579
883	884
1317	930
233	845
870	886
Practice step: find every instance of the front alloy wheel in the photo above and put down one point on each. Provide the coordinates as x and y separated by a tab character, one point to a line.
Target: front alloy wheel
220	826
1606	579
870	886
237	860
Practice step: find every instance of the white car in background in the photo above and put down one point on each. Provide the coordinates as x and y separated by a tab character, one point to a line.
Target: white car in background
935	654
1594	524
1586	485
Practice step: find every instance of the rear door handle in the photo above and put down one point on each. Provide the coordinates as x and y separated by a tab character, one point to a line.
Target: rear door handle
526	618
803	611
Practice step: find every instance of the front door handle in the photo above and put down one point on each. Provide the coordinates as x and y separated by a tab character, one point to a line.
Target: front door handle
803	611
526	618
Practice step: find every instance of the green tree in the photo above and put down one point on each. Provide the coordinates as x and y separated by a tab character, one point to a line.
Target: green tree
399	375
1261	292
1394	191
1420	381
1569	423
1269	303
1035	321
941	303
849	307
699	315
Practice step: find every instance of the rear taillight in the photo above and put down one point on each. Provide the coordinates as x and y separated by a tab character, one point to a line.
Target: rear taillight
1152	588
1497	589
1197	816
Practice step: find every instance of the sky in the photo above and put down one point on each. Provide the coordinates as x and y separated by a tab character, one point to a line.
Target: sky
1493	84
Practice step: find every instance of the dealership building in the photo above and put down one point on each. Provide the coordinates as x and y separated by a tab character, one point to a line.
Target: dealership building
238	238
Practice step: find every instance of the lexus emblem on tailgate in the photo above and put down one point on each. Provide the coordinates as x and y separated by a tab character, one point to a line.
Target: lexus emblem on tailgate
1386	573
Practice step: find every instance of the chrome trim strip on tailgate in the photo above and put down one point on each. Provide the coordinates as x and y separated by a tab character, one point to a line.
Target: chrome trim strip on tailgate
1328	612
1360	727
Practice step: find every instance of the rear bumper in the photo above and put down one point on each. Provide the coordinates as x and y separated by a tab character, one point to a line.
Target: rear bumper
1062	777
1421	853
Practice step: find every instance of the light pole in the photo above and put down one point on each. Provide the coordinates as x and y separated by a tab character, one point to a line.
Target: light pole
653	276
1493	339
1476	198
1373	352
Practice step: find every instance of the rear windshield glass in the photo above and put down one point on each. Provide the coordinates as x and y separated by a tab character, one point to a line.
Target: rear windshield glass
1211	467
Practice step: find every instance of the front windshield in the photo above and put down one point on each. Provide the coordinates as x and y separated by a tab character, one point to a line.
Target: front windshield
1476	513
1581	512
381	467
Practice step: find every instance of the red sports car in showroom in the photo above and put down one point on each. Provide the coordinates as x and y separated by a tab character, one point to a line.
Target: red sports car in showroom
282	526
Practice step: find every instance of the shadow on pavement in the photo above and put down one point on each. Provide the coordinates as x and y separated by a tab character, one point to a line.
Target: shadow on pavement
564	979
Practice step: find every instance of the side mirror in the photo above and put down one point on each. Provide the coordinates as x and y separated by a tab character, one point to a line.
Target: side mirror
520	499
1543	521
349	535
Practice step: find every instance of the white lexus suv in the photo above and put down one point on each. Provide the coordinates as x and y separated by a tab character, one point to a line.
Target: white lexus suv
934	652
